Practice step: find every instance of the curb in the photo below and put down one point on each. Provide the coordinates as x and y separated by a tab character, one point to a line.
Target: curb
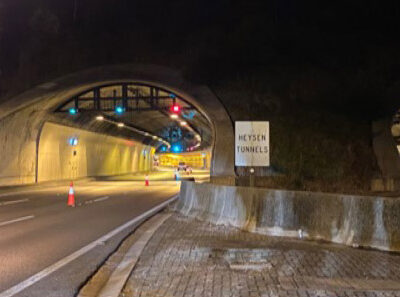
111	277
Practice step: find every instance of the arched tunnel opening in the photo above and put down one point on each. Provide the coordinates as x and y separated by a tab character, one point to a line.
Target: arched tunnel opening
121	129
116	121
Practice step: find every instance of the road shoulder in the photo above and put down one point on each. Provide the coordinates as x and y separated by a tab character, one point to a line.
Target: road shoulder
111	277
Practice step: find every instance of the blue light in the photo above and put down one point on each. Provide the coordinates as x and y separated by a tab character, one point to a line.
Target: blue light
163	148
72	110
119	110
176	148
172	95
73	141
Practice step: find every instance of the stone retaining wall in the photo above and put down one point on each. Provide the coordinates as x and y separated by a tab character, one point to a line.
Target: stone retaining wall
346	219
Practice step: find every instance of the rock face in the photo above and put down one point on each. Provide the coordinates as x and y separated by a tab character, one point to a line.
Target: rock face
345	219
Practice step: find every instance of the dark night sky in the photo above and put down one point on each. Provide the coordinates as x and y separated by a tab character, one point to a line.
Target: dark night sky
328	44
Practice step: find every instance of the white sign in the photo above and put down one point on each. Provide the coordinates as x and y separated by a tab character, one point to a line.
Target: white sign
252	144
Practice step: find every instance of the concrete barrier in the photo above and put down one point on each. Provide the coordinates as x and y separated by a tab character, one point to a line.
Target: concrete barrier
351	220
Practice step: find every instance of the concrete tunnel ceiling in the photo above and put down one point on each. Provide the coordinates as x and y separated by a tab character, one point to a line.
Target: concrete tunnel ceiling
146	113
28	112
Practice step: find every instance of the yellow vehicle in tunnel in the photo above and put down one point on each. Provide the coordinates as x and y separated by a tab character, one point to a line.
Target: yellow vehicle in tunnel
197	160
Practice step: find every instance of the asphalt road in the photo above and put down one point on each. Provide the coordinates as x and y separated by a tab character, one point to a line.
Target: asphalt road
164	174
37	229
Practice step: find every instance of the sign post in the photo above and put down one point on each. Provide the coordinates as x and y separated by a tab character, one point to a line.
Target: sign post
252	183
252	147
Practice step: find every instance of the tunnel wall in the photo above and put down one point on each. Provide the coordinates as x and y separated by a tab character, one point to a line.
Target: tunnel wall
345	219
18	136
94	155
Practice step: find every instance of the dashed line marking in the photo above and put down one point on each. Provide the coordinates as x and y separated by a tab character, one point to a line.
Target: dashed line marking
101	199
61	263
96	200
13	202
16	220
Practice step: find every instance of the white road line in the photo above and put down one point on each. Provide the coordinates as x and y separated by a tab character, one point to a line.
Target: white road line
101	199
84	188
61	263
13	202
16	220
29	191
96	200
102	188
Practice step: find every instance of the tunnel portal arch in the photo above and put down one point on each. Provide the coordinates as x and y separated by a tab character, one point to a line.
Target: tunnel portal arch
22	117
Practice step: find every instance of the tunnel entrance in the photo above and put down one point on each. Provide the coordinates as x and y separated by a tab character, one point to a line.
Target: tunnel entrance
123	128
126	110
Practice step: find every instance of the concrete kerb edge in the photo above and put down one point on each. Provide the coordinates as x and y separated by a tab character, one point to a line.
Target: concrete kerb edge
94	288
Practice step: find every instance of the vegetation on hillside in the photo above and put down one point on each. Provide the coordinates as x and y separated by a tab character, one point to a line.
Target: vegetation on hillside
311	148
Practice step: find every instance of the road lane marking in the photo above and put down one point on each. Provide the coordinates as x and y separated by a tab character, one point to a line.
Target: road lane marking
101	199
28	192
13	202
16	220
83	188
96	200
61	263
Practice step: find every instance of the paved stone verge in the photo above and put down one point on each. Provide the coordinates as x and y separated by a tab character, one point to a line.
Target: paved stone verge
187	257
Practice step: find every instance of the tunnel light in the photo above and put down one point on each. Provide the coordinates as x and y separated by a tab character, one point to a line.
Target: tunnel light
73	111
198	137
173	116
176	148
154	137
100	118
146	134
119	109
183	123
73	141
120	125
175	108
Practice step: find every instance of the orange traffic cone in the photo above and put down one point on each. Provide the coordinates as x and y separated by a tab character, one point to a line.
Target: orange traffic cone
71	196
146	181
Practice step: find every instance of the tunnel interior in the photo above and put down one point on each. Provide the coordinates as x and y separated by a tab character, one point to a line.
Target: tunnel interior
122	128
147	113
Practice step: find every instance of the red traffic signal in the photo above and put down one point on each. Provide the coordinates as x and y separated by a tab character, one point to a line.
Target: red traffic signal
175	108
